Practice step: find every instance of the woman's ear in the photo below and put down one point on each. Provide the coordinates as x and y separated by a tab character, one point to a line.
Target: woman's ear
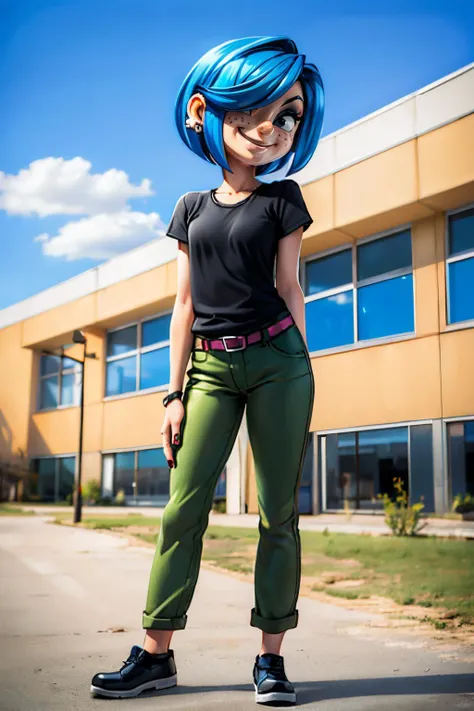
196	108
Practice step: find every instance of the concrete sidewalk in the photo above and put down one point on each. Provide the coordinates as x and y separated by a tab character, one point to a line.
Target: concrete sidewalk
336	523
63	590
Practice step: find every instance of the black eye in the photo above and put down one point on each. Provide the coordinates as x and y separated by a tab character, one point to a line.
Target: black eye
287	121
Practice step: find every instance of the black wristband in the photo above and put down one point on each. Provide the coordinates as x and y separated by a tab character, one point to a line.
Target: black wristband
172	396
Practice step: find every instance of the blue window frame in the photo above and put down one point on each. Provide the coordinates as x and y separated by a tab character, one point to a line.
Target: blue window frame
460	266
59	382
138	356
360	292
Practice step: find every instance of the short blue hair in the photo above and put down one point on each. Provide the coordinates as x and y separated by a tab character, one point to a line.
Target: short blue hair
245	74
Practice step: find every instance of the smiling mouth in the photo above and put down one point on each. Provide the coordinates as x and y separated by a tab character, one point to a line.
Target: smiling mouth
255	143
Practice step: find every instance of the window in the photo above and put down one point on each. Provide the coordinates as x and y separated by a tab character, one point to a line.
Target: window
59	382
144	477
305	489
460	266
358	466
461	458
360	293
52	478
138	356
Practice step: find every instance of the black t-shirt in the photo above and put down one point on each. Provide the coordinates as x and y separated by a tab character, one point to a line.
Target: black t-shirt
232	250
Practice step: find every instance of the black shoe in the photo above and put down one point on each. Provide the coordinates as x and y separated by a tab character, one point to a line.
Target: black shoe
141	671
270	680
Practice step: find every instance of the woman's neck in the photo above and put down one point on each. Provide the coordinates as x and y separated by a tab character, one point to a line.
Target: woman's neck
241	180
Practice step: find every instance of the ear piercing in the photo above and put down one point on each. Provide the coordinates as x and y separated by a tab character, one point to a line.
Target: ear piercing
194	123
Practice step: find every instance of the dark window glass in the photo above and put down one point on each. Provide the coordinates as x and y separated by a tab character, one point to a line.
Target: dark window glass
220	490
154	368
49	392
67	467
469	453
124	473
152	474
156	330
461	232
122	376
386	308
461	458
49	364
305	492
461	290
329	272
123	341
330	321
384	255
47	479
361	465
341	487
421	466
383	455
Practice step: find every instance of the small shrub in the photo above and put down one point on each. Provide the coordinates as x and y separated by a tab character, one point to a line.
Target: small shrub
91	491
463	504
219	506
120	498
401	517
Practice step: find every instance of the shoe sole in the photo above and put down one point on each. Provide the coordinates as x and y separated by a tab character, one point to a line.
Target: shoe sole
274	696
129	693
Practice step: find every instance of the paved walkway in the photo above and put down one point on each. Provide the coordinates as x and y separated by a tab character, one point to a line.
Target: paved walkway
337	523
63	589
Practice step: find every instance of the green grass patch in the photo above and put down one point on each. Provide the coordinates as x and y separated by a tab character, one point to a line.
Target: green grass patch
428	571
8	510
109	521
346	594
433	572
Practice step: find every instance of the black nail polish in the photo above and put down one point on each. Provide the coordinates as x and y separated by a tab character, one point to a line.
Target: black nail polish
170	463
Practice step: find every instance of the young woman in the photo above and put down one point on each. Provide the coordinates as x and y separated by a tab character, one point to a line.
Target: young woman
251	106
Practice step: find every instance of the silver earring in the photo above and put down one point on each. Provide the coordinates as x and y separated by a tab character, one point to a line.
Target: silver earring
193	123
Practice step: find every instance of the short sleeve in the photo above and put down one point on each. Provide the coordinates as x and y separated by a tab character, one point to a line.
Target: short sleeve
178	225
291	209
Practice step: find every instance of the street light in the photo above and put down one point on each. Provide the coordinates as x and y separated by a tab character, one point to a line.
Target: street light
78	337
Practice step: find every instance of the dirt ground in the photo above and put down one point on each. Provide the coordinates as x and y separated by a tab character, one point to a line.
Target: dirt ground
408	619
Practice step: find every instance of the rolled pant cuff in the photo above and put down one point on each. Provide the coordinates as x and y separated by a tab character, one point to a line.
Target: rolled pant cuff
274	626
163	623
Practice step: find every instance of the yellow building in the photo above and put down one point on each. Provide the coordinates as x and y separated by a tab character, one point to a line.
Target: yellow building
387	268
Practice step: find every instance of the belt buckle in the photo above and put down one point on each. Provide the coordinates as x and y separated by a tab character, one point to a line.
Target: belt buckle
229	350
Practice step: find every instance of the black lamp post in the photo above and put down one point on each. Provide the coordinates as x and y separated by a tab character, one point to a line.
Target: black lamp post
78	337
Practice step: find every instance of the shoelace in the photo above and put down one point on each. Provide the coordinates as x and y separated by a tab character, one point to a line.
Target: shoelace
131	659
275	668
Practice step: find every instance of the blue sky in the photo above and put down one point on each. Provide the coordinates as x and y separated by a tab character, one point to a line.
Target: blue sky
96	80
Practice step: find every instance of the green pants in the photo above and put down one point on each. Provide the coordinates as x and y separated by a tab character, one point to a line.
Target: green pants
275	382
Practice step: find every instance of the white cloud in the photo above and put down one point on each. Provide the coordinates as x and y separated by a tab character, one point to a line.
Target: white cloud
57	186
102	236
341	299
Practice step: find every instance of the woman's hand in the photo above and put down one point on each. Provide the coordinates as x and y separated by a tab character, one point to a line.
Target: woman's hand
174	413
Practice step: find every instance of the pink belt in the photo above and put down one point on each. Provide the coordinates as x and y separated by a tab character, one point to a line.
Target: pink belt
238	343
